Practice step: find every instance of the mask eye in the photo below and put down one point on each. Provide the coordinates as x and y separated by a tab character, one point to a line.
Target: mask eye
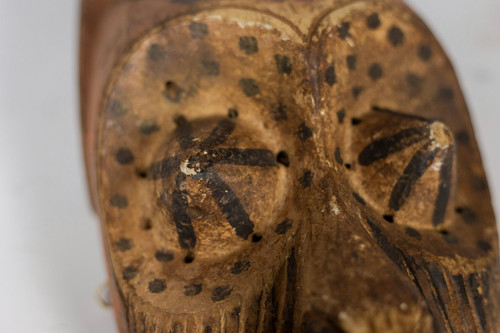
206	181
404	167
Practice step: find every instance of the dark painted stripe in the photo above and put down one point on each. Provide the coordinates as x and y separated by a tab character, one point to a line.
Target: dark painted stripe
272	305
219	134
438	283
230	205
392	252
419	163
384	147
185	231
238	156
164	168
413	267
478	300
444	186
463	301
291	293
184	133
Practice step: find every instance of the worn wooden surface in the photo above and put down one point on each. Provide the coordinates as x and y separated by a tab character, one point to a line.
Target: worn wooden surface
284	166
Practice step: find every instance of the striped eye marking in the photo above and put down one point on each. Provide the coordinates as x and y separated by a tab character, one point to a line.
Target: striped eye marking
199	166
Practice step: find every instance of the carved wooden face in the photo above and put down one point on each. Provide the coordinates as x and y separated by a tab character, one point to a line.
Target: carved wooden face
270	170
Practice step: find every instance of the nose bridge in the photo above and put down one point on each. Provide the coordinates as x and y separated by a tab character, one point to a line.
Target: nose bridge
346	279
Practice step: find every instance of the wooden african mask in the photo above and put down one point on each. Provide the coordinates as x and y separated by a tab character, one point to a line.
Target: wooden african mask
284	166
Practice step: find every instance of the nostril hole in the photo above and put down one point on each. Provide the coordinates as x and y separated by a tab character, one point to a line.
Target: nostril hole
459	210
256	237
146	224
389	218
348	166
189	258
172	90
444	232
283	158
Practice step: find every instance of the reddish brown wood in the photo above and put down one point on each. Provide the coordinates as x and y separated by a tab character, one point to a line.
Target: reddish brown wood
288	166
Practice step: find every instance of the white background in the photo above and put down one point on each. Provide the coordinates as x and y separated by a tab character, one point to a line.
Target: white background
51	259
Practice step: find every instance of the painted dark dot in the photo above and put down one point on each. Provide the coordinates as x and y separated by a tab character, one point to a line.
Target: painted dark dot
256	237
413	233
396	36
156	52
148	127
198	30
355	121
118	109
221	293
306	179
124	244
210	67
283	159
232	113
462	138
373	21
279	112
249	87
389	218
375	72
173	92
249	45
208	329
240	267
478	183
467	214
343	30
446	94
124	156
449	237
283	63
359	198
414	83
424	53
129	273
304	132
484	246
330	75
351	61
356	91
193	289
157	286
341	116
164	256
284	226
118	201
338	156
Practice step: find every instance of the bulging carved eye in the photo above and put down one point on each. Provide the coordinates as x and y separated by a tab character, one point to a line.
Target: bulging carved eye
215	181
404	167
